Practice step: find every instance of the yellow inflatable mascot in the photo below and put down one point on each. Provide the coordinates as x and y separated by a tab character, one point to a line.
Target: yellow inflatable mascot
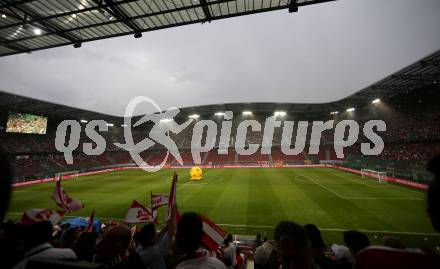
196	173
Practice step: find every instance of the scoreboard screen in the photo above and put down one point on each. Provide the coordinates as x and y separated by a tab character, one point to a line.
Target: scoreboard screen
26	124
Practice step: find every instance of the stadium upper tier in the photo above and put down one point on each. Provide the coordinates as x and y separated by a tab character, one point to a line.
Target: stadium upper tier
412	137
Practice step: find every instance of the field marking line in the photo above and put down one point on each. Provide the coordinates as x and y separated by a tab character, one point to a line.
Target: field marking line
216	180
359	198
84	180
295	177
29	191
183	185
335	229
352	180
219	179
384	198
268	226
322	186
376	187
390	185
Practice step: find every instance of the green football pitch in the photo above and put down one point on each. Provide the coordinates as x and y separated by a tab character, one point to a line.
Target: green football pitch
247	201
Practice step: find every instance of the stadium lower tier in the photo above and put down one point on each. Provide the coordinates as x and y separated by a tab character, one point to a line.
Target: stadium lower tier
406	161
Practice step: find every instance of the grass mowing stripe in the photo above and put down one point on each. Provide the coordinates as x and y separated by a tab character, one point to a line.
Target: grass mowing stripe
253	197
375	182
377	187
272	226
322	186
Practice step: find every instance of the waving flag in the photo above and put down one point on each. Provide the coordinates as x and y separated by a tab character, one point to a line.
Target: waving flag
158	200
89	227
134	230
213	235
172	197
35	215
137	213
154	216
65	201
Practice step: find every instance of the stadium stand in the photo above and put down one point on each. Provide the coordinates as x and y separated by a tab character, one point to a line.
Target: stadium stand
411	139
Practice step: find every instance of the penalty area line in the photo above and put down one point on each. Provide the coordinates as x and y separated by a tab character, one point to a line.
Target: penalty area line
322	186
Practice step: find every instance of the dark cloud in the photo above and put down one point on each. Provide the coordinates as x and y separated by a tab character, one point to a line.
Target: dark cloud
322	53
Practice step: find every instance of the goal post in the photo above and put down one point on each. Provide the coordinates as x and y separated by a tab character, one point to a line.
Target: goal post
66	175
379	175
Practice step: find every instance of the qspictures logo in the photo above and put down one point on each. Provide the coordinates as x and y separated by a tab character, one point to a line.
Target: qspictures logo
346	134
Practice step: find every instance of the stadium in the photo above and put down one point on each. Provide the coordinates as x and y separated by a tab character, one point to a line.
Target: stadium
328	181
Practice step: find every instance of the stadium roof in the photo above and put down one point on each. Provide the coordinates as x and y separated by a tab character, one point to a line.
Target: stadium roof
423	73
29	25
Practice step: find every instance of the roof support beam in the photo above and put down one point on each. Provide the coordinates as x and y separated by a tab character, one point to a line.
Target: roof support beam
65	14
47	26
15	3
16	47
137	17
119	13
206	11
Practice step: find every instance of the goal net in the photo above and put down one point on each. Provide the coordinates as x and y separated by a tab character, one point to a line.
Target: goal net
66	175
374	174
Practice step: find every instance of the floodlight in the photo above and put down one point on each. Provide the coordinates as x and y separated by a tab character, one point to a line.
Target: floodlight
37	31
279	113
194	116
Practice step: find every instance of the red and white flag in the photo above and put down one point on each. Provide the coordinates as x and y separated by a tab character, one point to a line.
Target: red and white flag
158	200
134	230
172	197
35	215
137	213
65	201
91	220
213	235
155	220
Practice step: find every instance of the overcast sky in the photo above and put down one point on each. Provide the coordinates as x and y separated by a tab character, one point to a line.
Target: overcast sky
323	53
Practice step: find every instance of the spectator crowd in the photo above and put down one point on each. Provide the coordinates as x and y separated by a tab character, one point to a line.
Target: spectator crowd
179	244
